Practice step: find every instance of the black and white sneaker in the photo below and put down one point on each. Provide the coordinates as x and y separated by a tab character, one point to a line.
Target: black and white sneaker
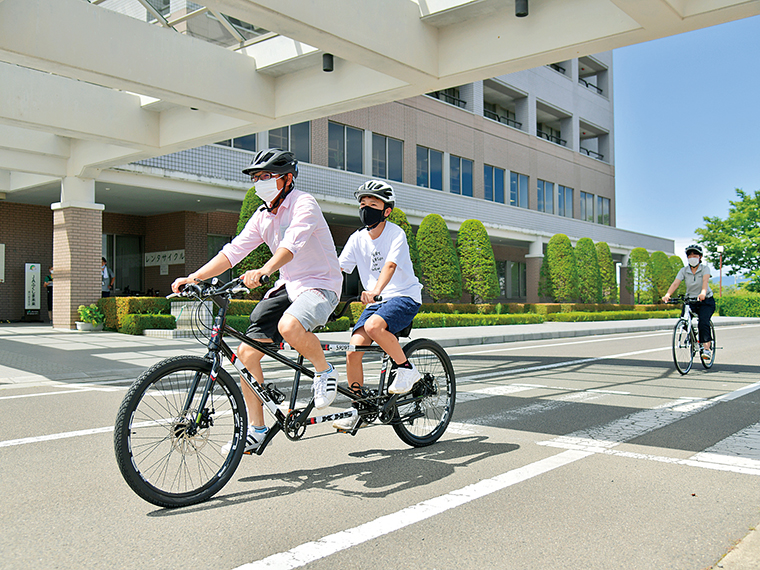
325	387
253	441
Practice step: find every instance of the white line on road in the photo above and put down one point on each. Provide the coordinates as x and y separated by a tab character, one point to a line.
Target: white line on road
54	436
328	545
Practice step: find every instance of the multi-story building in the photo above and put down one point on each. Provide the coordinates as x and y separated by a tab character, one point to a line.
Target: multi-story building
530	154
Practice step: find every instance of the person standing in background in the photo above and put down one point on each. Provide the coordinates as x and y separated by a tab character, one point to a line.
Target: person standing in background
48	284
107	280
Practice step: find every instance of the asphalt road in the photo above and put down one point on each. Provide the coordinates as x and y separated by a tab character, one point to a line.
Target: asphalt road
582	453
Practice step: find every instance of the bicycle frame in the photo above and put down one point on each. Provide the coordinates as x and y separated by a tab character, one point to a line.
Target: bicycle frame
269	399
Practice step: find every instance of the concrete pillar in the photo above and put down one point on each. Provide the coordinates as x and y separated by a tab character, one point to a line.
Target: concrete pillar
367	158
77	249
533	262
626	297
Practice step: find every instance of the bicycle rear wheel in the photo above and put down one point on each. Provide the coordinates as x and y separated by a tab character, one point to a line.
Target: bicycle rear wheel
683	351
163	454
708	363
424	413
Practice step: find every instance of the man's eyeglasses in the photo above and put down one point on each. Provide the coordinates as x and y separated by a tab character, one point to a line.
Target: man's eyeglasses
263	176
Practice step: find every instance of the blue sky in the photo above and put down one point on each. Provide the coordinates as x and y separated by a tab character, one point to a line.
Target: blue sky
687	128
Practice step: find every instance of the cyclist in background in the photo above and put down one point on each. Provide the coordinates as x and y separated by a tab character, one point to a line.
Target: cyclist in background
696	275
291	223
381	253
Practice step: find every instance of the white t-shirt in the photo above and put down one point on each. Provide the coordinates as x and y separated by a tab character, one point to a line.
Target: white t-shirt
370	255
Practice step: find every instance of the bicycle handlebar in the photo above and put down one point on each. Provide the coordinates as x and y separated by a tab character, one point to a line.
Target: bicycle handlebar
682	299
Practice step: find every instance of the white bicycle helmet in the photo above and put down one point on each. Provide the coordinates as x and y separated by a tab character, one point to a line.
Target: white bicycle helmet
377	189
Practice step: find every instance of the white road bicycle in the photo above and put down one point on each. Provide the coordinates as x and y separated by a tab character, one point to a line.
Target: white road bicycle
686	337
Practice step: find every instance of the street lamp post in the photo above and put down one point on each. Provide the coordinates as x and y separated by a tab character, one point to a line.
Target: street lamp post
720	251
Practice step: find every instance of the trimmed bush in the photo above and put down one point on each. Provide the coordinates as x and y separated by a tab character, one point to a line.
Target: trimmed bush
116	309
676	263
660	275
261	254
398	217
438	258
562	270
477	261
638	277
135	323
611	316
607	273
747	305
589	276
438	320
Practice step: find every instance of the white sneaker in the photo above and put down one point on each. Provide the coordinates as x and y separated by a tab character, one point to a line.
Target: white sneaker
253	440
706	354
325	387
405	380
347	424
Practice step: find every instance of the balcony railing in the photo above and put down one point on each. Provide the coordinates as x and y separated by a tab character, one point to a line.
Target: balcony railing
558	68
450	99
502	119
590	85
551	138
592	154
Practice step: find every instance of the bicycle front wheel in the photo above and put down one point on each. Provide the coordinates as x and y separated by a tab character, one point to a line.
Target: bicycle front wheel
683	351
171	453
424	413
708	363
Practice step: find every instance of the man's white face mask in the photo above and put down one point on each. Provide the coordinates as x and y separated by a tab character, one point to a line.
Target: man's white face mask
693	261
267	189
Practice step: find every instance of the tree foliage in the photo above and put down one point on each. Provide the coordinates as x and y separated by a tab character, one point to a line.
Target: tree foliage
739	234
398	217
607	273
676	263
261	254
589	277
562	270
477	261
638	277
438	259
660	274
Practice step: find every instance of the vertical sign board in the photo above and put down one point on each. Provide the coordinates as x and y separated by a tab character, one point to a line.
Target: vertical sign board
31	288
2	263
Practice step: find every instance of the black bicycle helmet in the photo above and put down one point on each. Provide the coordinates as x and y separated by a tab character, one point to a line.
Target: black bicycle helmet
695	248
377	189
273	160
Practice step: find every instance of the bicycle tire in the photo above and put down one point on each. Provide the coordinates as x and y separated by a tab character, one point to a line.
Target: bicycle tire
423	421
158	458
708	363
683	351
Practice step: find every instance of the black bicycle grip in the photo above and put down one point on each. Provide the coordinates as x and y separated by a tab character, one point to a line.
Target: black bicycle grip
264	279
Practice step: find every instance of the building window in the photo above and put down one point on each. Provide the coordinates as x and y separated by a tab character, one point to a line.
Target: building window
587	207
603	211
429	168
295	138
493	183
565	201
460	175
387	157
345	147
545	202
518	190
247	142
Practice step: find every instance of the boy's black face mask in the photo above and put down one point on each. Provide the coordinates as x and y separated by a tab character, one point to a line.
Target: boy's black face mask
370	217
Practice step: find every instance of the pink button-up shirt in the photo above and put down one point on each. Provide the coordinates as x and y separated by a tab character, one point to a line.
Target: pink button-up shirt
299	227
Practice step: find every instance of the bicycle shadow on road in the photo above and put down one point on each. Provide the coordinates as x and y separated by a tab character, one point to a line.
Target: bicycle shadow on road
379	473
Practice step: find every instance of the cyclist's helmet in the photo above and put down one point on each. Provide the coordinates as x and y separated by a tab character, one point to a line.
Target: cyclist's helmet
695	248
273	160
377	189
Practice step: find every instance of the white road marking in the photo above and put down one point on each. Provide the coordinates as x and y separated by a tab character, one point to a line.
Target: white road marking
328	545
54	436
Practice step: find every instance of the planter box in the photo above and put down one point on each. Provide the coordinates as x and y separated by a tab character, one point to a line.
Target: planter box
88	326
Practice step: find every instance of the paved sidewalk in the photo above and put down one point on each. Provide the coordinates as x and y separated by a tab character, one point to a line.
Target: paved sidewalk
37	354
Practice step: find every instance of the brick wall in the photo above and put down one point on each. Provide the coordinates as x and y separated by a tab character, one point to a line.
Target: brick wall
27	232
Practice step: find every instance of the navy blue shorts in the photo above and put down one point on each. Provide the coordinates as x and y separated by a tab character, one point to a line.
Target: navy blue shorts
397	312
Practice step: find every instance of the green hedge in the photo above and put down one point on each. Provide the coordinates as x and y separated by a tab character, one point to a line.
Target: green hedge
611	316
739	306
136	324
116	309
437	320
